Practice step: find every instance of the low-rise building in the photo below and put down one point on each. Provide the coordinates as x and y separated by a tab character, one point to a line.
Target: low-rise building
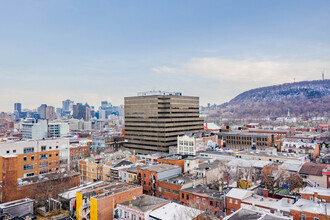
272	155
149	176
309	209
140	207
203	198
169	188
17	209
39	187
315	194
34	157
172	211
191	144
100	202
313	175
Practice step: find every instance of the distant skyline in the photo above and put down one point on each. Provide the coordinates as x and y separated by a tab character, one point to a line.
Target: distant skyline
90	51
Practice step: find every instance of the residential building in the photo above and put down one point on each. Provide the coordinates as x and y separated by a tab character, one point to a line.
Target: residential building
313	175
299	146
33	129
315	194
169	189
89	170
191	144
34	157
154	120
99	202
57	129
172	211
68	197
140	207
175	159
17	209
39	187
203	198
149	176
252	213
309	209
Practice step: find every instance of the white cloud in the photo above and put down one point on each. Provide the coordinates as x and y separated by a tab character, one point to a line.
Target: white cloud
248	71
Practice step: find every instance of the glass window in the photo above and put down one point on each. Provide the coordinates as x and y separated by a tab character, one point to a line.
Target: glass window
175	192
197	199
25	159
167	190
28	150
29	167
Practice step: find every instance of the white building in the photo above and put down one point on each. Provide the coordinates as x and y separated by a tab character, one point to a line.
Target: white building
31	129
57	129
191	144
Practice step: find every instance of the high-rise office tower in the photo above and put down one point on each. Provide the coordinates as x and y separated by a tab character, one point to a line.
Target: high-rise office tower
42	111
153	120
50	113
18	107
67	105
81	112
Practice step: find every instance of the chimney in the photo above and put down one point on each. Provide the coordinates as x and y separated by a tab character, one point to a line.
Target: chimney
9	178
265	192
316	196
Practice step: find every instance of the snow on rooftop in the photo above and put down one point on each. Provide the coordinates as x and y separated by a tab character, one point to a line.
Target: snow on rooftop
238	193
174	211
319	190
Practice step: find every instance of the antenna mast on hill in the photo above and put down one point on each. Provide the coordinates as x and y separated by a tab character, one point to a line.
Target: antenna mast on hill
323	75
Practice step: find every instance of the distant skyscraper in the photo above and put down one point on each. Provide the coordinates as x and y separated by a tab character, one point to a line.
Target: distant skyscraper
50	113
81	112
18	107
67	105
42	111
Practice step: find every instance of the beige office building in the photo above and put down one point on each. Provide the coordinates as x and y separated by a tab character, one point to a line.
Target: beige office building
153	120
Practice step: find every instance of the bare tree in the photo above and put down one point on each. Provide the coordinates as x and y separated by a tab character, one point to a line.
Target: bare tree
295	182
274	179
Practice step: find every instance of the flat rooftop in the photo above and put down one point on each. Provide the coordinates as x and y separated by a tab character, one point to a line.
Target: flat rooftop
145	203
45	177
108	189
320	191
203	190
159	167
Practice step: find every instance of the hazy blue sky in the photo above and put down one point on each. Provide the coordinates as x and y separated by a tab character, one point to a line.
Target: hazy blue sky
104	50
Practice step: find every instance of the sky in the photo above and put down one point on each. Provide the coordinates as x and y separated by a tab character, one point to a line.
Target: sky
89	51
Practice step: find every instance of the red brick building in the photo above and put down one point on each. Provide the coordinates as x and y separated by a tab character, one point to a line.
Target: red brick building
38	187
201	197
149	176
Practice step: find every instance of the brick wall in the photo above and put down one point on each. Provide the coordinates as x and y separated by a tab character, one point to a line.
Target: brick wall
203	203
232	203
105	205
38	190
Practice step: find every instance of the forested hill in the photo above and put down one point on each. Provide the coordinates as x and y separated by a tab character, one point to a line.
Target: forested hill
307	98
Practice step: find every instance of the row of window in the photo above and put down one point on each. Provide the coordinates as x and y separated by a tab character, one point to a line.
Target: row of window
28	150
186	143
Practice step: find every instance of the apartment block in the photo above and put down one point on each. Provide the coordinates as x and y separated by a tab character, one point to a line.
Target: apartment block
139	208
34	157
191	144
100	201
149	176
154	120
237	141
39	187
